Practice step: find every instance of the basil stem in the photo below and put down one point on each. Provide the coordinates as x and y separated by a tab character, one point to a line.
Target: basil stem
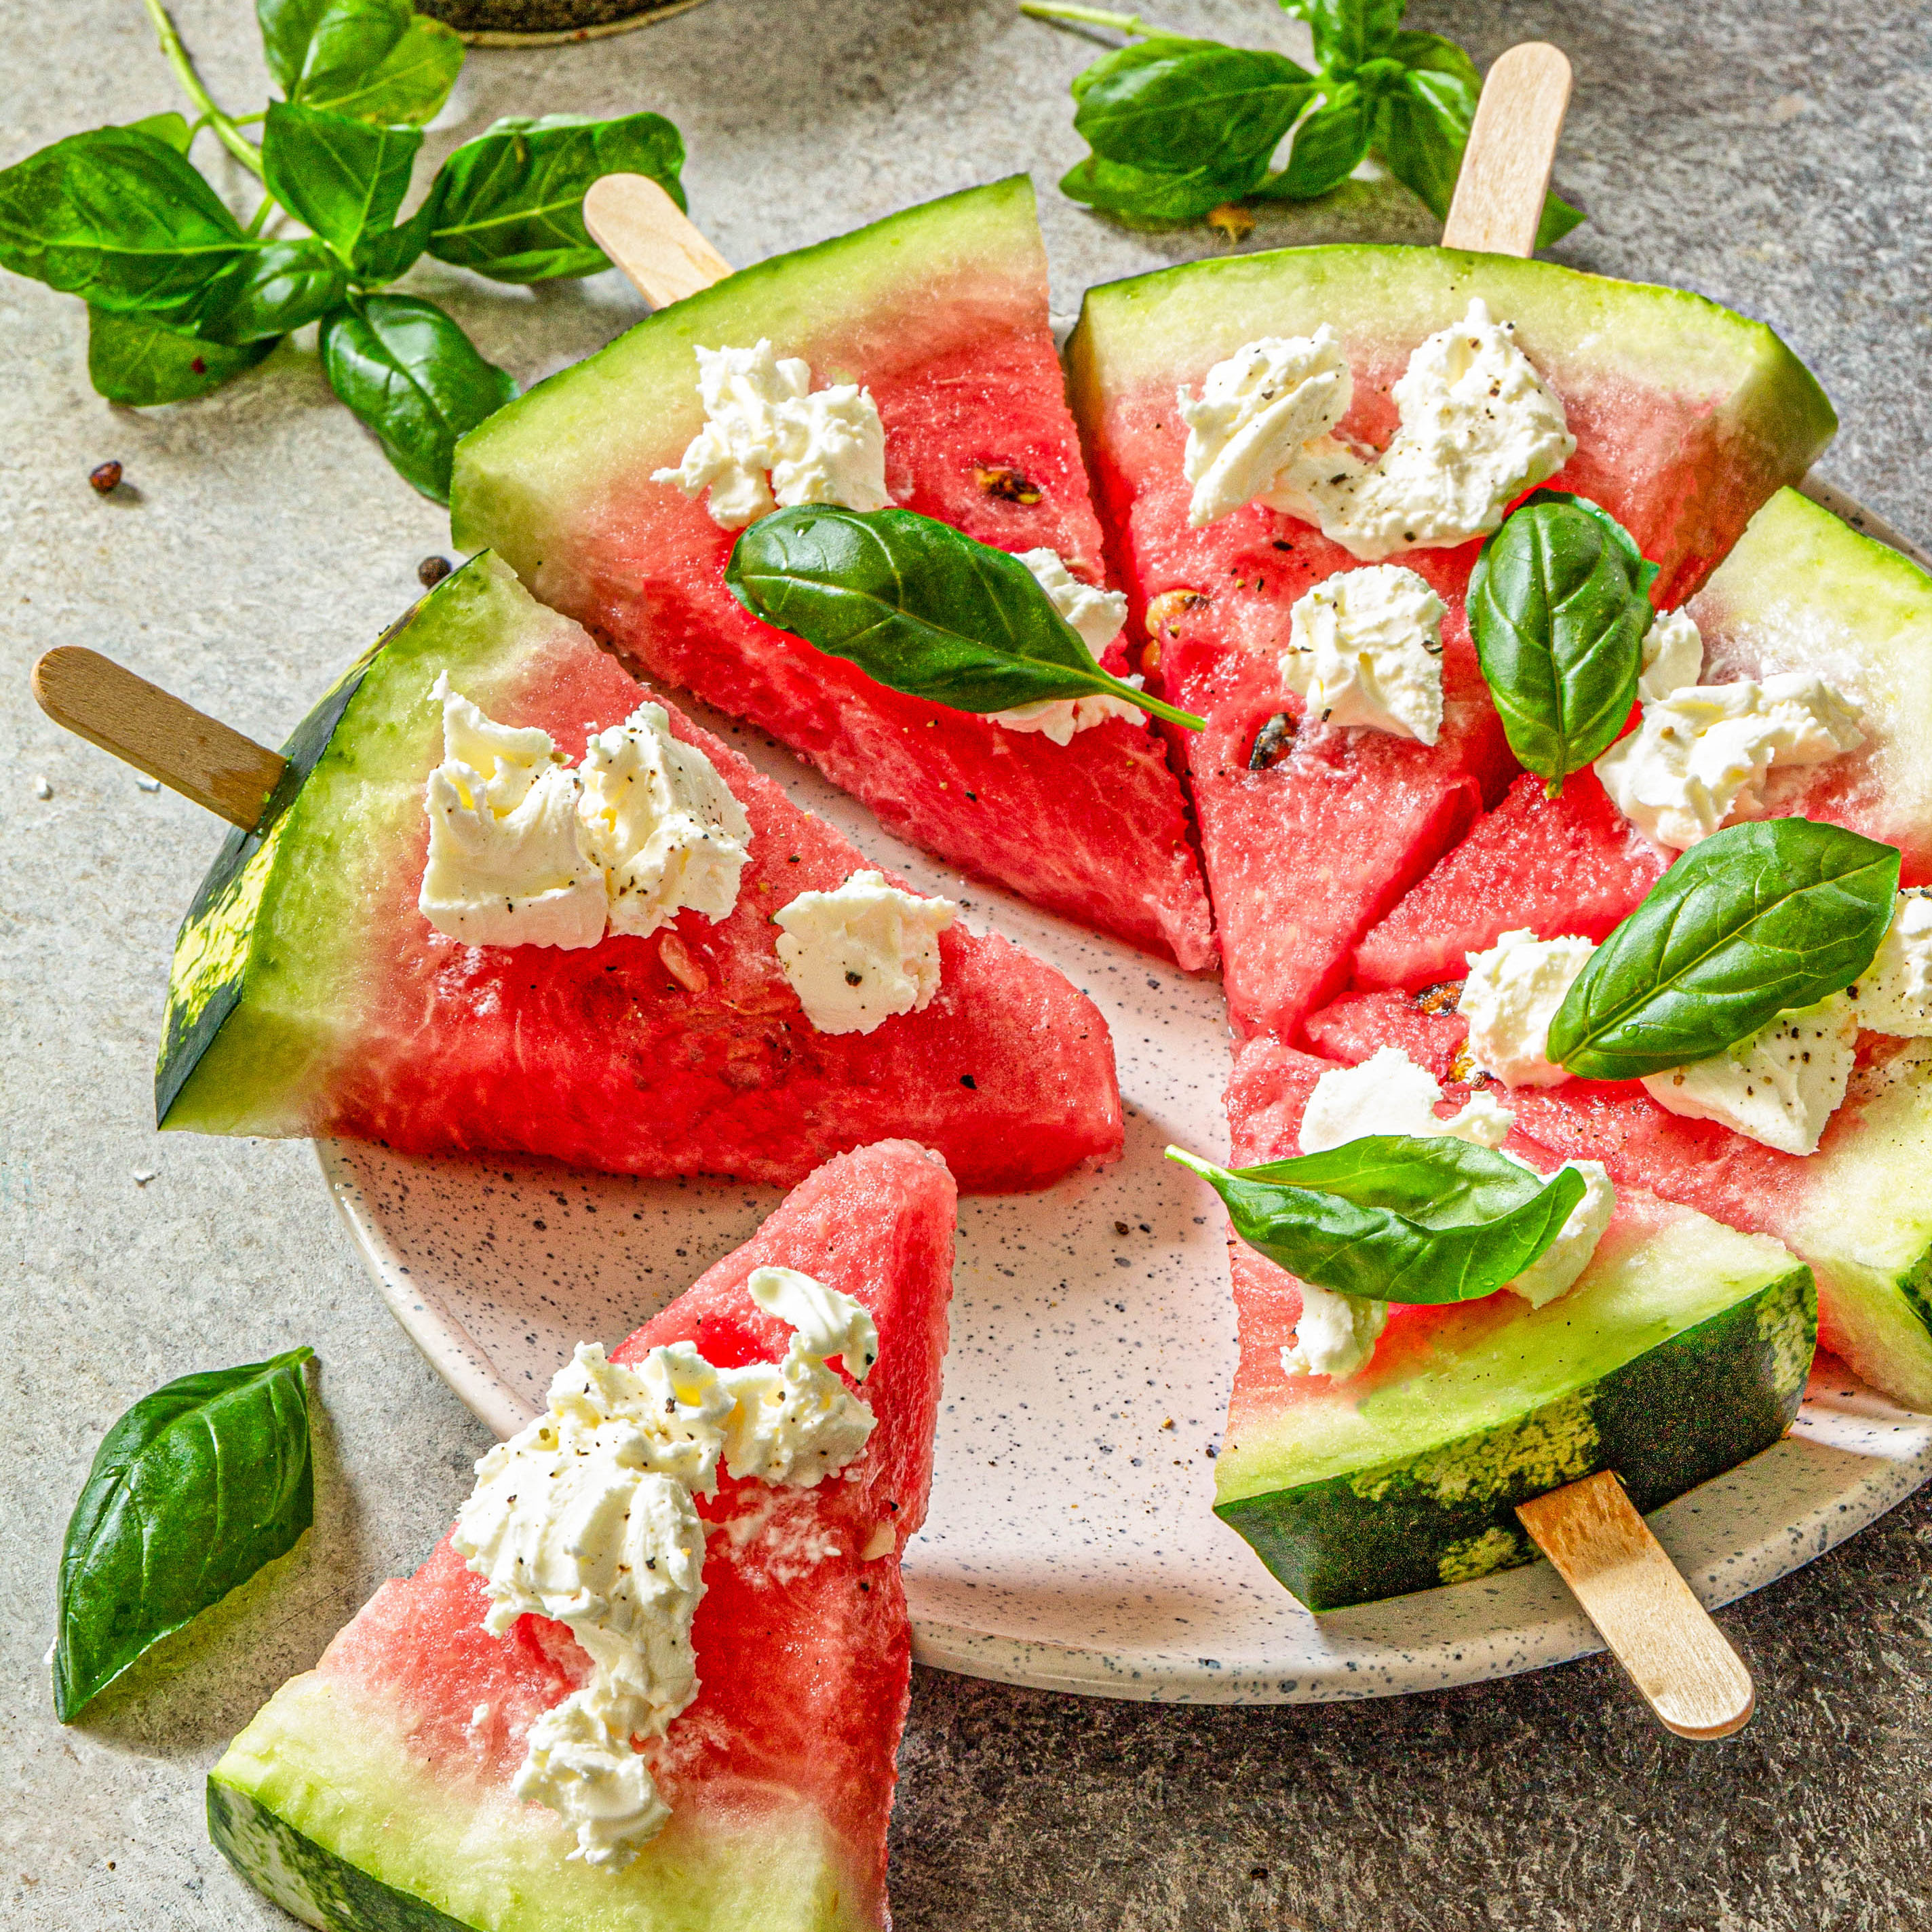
1397	1217
1756	920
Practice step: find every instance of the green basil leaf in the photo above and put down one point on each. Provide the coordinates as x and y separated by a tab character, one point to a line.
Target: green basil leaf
277	287
920	607
410	84
1348	32
371	60
1328	146
1558	605
1756	920
1144	199
133	360
1433	53
170	128
1396	1217
346	180
193	1491
1163	103
119	217
510	203
1557	220
414	379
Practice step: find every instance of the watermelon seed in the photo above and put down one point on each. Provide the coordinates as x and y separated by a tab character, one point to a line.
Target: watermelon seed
432	571
967	1080
106	479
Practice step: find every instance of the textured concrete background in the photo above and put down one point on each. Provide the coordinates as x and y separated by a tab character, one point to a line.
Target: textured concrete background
1768	152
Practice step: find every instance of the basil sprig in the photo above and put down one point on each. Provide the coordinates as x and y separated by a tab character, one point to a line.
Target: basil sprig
1397	1217
1559	602
1752	921
1179	127
182	297
920	607
192	1490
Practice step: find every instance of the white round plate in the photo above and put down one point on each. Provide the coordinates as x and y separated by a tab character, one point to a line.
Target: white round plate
1071	1543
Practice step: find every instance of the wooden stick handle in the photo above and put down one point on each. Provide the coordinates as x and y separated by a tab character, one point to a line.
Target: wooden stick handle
1678	1658
651	238
190	752
1506	166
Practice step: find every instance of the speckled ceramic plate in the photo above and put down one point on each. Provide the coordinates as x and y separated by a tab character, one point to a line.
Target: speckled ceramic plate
1071	1542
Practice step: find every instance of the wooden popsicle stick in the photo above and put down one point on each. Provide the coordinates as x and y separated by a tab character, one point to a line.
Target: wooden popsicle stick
651	238
1505	173
1679	1659
190	752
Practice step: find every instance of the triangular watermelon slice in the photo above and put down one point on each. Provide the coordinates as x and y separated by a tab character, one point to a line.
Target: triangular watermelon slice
1681	1350
375	1790
1686	419
941	313
311	996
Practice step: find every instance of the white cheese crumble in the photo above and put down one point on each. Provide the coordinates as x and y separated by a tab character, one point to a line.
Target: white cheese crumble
525	850
1780	1086
1673	655
1388	1094
1511	995
1894	993
857	956
586	1517
508	864
770	440
1698	758
1365	647
1097	615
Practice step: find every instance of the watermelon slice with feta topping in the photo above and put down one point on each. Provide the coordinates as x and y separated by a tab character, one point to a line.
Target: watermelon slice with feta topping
375	1790
1686	418
1682	1349
941	312
310	995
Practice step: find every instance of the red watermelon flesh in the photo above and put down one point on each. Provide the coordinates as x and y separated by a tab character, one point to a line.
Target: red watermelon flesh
802	1639
955	348
1573	863
1352	1028
684	1052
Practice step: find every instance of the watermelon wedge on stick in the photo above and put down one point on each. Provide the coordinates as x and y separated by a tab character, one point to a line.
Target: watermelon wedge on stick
1685	418
375	1790
940	314
310	995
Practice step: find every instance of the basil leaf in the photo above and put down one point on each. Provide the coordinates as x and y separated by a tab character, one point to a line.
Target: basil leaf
1162	104
371	60
1558	605
920	607
277	287
344	178
1396	1217
131	359
170	128
410	84
1142	198
119	217
414	380
1348	32
193	1491
510	203
1328	146
1752	921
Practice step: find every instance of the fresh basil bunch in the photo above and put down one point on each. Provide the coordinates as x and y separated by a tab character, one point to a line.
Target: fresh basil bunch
1397	1217
1180	126
182	297
1559	603
1756	920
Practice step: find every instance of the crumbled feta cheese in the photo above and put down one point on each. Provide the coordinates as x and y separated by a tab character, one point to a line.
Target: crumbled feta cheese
1698	758
508	863
1554	1272
1509	999
1097	615
1263	424
1894	993
770	439
1673	655
857	956
587	1516
1779	1087
1334	1335
1365	647
664	827
1388	1094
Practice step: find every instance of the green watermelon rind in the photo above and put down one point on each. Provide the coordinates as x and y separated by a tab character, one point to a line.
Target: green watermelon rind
1346	1521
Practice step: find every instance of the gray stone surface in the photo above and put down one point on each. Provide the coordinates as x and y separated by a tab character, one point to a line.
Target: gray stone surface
1770	153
